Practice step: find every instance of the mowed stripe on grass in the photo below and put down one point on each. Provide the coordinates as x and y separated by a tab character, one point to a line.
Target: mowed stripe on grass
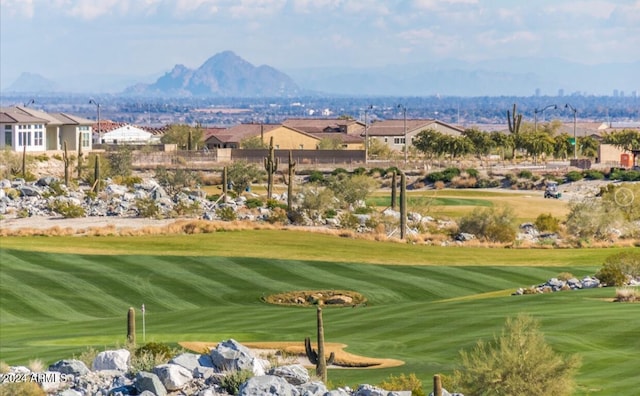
53	305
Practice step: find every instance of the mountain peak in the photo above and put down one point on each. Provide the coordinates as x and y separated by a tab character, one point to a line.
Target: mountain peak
225	74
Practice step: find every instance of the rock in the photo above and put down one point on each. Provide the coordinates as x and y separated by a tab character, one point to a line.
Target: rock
339	299
464	237
231	355
29	191
589	282
265	385
445	393
69	392
316	388
200	366
172	376
370	390
146	381
337	392
112	360
295	374
72	366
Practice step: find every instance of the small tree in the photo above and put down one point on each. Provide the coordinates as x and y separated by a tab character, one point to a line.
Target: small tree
241	174
618	267
496	225
351	189
120	161
184	136
519	362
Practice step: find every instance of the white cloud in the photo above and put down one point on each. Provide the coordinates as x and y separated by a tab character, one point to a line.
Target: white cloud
256	8
23	8
598	9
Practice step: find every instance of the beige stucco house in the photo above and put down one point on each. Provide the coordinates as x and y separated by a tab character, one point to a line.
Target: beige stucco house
33	130
393	132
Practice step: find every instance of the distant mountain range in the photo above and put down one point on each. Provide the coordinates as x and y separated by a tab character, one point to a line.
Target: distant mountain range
228	75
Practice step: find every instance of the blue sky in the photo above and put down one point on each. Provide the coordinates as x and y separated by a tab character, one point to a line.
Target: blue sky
63	38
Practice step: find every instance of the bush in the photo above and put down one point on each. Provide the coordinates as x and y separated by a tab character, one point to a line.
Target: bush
618	267
148	356
573	176
338	171
519	362
490	224
403	382
624	175
360	171
232	380
278	215
349	221
450	173
435	177
67	209
546	222
21	389
226	213
373	172
253	203
472	172
147	208
592	174
316	177
525	174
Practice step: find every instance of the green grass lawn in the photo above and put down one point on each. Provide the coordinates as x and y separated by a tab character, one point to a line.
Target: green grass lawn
208	288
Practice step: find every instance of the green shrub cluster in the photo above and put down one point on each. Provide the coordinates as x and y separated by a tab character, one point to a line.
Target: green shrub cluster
147	208
525	174
546	222
251	203
573	176
592	174
495	225
625	175
67	209
617	267
232	381
226	213
446	175
316	177
403	382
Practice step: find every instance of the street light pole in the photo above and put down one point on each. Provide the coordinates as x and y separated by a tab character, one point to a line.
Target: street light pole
366	134
535	115
91	101
575	141
406	147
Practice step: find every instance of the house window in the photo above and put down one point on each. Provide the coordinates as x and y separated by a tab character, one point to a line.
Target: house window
37	138
386	140
24	139
8	135
302	147
85	139
398	140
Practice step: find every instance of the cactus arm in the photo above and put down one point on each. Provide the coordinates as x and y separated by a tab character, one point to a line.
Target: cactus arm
311	354
403	205
331	359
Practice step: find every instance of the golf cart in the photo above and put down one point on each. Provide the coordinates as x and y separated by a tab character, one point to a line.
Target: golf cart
552	191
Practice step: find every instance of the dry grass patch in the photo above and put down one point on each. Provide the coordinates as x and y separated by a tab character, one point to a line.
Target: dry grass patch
317	297
343	359
627	294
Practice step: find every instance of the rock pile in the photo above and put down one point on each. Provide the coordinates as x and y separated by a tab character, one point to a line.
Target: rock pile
555	284
185	374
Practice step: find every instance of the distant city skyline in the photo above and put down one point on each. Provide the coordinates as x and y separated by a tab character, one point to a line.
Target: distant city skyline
64	39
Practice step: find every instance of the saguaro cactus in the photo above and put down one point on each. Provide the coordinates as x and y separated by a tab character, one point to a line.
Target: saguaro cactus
317	357
271	166
437	385
394	190
131	326
289	183
96	174
67	163
225	184
80	155
514	121
24	161
189	141
403	205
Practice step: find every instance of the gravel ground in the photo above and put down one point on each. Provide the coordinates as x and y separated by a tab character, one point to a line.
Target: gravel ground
43	223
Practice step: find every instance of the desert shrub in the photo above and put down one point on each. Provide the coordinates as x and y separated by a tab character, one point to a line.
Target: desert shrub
316	198
496	225
349	221
338	171
546	222
67	209
573	176
186	208
627	294
226	213
151	354
373	172
472	172
565	276
403	382
21	389
450	173
464	182
316	177
232	380
487	183
363	210
274	203
176	180
351	189
519	362
360	171
330	213
624	175
435	177
439	185
253	203
618	267
23	213
525	174
296	216
392	169
128	181
147	208
278	215
592	174
120	161
588	218
87	356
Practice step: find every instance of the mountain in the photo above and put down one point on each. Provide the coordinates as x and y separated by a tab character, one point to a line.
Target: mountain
32	83
223	75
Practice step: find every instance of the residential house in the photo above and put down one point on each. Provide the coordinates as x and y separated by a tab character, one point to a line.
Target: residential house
33	130
109	132
393	132
284	138
326	125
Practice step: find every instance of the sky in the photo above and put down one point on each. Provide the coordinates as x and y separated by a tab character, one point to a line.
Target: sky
61	39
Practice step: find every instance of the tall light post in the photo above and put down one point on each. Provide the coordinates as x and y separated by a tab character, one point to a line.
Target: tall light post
406	147
366	134
91	101
535	115
575	141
